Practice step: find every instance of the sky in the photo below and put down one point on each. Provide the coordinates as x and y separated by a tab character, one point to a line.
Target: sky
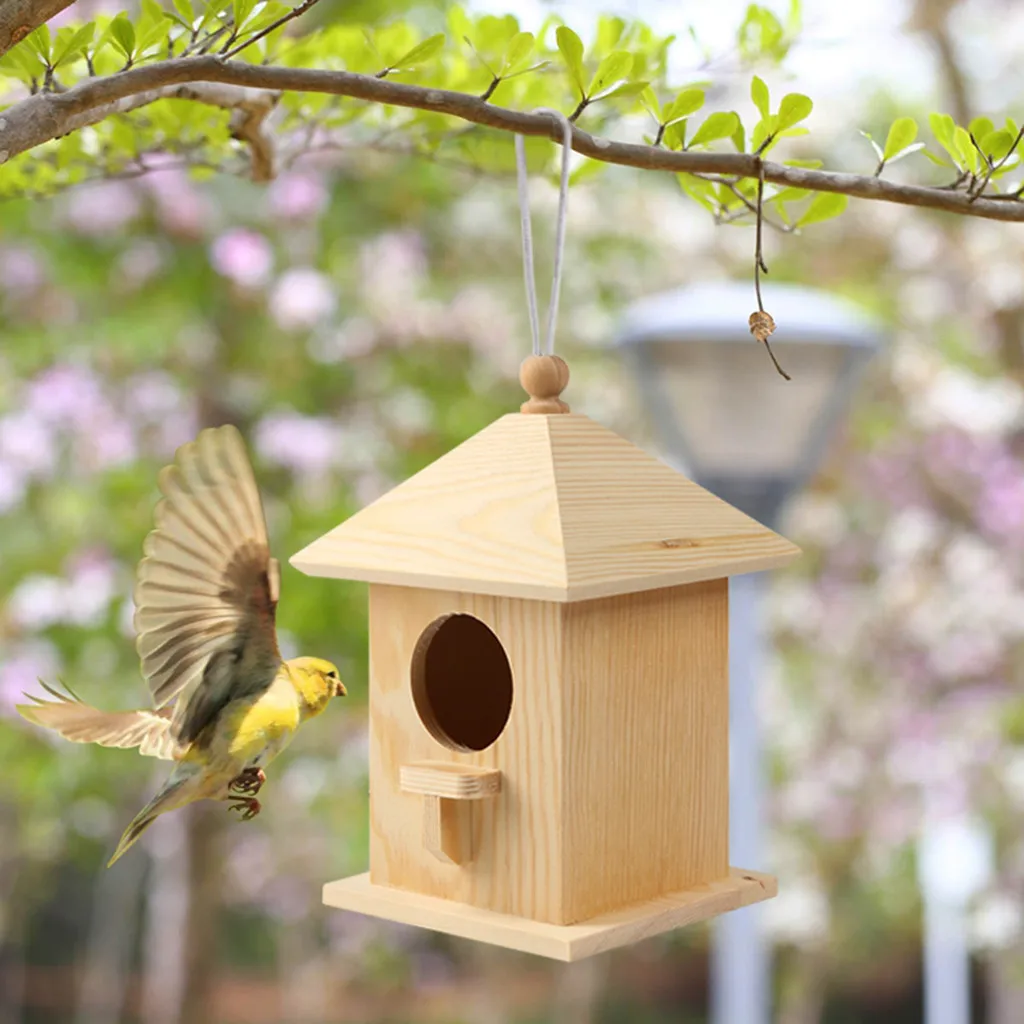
846	48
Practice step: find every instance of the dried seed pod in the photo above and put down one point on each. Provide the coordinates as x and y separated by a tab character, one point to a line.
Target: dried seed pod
762	327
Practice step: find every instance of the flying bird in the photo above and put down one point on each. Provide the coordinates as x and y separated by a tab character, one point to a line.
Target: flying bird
225	703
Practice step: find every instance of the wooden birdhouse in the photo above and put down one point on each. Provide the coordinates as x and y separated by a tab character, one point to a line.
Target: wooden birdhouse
549	685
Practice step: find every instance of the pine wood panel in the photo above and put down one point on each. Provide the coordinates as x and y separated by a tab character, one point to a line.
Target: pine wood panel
486	511
631	523
559	942
517	834
556	508
454	781
646	746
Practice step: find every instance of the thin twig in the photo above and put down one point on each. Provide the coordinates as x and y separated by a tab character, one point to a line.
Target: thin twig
760	267
283	20
731	185
993	167
759	264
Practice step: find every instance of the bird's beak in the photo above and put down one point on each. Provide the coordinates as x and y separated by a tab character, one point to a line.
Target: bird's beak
339	690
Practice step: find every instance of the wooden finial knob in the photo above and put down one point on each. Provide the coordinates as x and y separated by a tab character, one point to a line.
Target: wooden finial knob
544	378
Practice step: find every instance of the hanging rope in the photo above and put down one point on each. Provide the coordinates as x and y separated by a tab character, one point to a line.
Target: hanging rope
524	213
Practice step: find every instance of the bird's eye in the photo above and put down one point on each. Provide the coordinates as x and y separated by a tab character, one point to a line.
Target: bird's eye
332	674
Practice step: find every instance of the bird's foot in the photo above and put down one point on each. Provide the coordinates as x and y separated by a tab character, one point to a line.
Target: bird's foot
250	782
247	806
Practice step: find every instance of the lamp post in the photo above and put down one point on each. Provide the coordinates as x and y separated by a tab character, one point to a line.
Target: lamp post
954	864
720	411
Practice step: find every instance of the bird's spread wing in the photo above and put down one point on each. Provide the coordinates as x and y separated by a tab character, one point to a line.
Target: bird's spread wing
207	587
67	715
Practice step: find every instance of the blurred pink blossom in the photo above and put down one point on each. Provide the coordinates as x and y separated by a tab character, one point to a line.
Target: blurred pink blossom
26	443
302	298
90	589
37	602
152	395
302	444
110	442
21	271
21	668
81	598
138	264
242	256
66	395
105	208
12	487
297	196
181	207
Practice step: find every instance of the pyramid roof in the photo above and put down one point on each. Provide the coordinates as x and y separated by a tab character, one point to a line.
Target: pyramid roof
552	507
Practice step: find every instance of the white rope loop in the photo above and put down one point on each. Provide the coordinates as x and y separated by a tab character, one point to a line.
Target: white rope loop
524	214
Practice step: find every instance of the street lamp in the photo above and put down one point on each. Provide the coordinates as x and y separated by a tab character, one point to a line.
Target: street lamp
954	864
739	429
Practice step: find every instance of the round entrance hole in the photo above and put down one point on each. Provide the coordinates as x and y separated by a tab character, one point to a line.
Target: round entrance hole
461	682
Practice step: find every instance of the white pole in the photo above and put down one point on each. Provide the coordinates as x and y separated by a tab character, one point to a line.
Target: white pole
740	968
954	863
947	962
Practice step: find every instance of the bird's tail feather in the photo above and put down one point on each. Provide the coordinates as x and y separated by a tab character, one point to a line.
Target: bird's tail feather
168	799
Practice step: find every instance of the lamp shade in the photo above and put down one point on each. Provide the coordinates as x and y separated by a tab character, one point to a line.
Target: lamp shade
716	401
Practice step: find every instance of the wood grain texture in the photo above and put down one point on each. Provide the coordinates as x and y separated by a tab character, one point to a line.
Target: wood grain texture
559	942
554	508
454	781
448	830
645	745
517	834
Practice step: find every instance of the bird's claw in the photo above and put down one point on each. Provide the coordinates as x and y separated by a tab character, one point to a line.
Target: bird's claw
250	782
247	806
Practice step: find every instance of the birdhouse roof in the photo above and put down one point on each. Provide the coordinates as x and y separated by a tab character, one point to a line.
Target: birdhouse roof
553	507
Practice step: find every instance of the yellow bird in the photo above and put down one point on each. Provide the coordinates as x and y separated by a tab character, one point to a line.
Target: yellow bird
225	703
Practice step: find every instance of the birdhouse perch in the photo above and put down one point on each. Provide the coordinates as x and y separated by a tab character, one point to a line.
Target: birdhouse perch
549	723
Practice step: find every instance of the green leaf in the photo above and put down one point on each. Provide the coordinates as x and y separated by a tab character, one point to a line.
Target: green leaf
423	51
688	102
875	146
75	46
793	109
942	126
674	136
996	144
614	68
123	34
824	206
652	103
699	189
936	159
906	151
39	42
810	164
519	48
759	94
739	138
980	127
965	148
21	64
242	10
719	125
902	133
187	12
571	49
625	90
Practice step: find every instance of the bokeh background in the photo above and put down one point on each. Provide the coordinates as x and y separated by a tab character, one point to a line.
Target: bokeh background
357	318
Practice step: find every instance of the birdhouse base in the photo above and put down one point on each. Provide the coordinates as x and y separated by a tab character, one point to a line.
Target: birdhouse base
559	942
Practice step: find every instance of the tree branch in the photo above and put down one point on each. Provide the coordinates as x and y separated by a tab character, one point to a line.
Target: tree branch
19	17
38	119
250	108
